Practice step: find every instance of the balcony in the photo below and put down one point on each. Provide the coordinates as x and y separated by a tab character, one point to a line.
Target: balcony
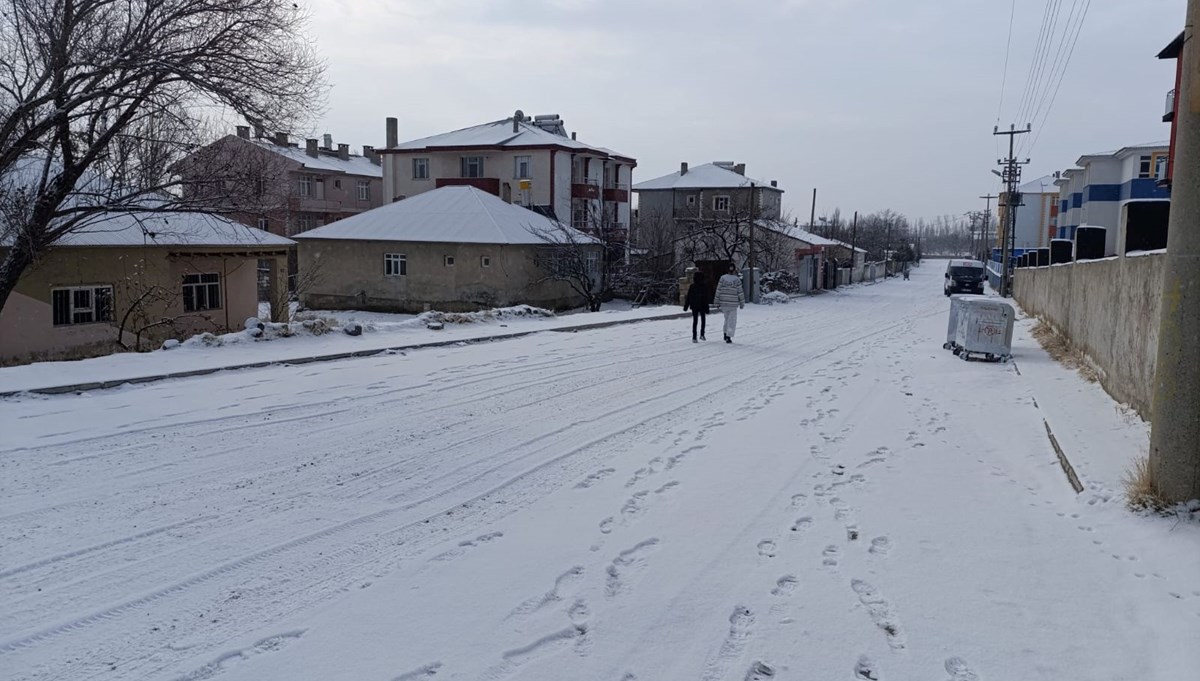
490	185
585	188
618	192
1169	115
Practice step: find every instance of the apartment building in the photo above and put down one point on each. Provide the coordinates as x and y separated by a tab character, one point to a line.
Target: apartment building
1036	215
716	190
528	161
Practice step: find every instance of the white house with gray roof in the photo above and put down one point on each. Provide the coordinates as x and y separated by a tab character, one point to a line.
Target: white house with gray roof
528	161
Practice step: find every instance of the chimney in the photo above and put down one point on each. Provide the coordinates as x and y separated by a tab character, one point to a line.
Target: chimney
310	147
683	168
344	152
328	140
572	136
740	168
243	131
281	138
393	136
774	183
370	155
259	132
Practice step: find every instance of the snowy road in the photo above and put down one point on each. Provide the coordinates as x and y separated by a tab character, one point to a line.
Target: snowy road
833	496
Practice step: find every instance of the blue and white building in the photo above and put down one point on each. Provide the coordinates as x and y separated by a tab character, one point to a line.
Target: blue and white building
1118	190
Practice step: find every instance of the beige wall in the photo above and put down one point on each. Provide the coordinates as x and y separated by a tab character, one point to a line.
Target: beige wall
27	332
350	275
1109	309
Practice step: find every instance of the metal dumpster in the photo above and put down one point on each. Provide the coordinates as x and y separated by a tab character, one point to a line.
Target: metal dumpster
985	330
956	303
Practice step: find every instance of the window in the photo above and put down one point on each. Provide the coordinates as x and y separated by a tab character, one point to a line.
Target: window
1144	167
201	292
521	165
720	203
420	169
304	222
691	199
364	190
395	265
337	184
1158	166
260	187
306	185
485	261
263	224
472	166
81	305
449	261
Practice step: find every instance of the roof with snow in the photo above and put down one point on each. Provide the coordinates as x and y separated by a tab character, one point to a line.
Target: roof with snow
328	162
716	175
456	214
803	234
168	229
1125	151
544	131
144	225
1042	185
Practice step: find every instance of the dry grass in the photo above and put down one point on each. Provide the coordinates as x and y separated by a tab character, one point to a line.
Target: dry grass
1060	348
1141	493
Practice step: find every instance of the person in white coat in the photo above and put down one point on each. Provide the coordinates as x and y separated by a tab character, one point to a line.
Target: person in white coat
730	299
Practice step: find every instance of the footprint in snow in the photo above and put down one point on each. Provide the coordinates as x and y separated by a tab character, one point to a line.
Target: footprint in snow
785	586
802	524
766	548
760	671
866	668
958	670
880	546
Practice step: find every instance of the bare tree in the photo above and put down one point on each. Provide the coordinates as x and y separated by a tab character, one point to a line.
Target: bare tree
571	257
98	98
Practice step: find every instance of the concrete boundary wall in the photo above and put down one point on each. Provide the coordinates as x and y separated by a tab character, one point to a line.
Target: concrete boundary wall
1109	310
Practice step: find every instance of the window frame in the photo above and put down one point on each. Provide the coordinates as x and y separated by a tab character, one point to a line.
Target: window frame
525	160
98	313
485	261
691	200
721	198
264	224
364	190
210	284
421	163
448	261
395	265
466	162
305	186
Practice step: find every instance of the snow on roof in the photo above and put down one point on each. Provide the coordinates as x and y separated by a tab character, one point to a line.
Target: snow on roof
326	162
125	228
707	176
805	235
500	134
1042	185
457	214
1165	144
843	244
169	229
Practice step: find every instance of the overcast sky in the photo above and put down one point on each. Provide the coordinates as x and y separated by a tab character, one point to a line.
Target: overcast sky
876	103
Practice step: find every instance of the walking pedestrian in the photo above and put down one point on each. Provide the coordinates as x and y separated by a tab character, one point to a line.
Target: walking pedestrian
730	299
698	297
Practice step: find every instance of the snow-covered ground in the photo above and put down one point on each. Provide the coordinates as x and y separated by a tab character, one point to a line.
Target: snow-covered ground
831	497
380	331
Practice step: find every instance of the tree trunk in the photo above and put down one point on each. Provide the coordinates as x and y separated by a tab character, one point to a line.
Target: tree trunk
16	260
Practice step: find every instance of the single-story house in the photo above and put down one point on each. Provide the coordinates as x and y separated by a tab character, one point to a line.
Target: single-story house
455	248
132	281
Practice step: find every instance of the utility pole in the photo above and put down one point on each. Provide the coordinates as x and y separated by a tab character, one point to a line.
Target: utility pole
887	249
812	217
987	224
853	238
1012	179
1175	429
753	215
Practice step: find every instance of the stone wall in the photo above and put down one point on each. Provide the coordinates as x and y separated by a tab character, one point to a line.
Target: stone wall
1109	310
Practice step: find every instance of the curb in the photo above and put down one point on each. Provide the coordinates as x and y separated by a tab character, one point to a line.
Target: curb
309	359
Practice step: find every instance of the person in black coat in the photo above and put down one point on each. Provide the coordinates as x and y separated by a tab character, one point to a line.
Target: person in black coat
698	298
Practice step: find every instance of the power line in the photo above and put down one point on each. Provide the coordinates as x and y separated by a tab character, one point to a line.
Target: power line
1079	27
1054	67
1037	48
1040	77
1007	50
